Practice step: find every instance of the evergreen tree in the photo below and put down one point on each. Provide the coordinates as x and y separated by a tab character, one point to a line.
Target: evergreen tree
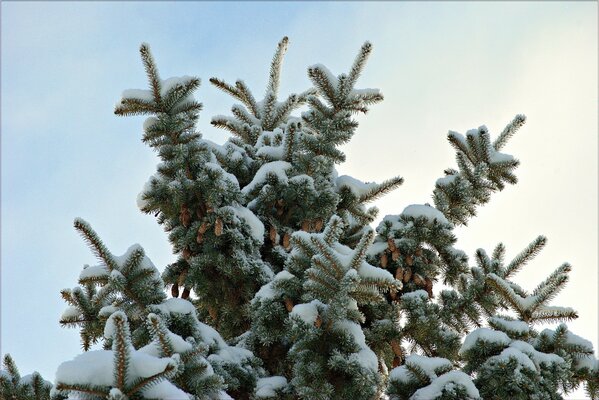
280	288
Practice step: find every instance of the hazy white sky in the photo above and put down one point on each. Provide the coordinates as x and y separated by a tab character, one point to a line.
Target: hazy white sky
441	66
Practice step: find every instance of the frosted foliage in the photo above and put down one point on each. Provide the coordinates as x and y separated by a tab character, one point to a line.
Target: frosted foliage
97	368
365	270
447	381
267	291
307	312
266	387
484	334
365	357
256	226
429	212
70	312
166	85
519	327
229	177
536	356
96	271
428	364
277	168
110	327
175	305
513	353
357	187
446	180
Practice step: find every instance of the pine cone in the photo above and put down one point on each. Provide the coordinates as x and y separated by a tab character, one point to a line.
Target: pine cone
201	230
175	290
318	322
399	273
286	241
318	224
185	294
391	243
306	226
418	280
428	286
213	313
409	260
395	255
185	216
407	275
273	234
288	304
384	260
218	227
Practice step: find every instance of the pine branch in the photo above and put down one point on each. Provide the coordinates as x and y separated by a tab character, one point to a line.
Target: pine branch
358	66
381	189
525	256
509	131
361	248
95	244
275	66
151	71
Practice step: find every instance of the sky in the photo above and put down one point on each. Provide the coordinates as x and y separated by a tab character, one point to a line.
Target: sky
441	66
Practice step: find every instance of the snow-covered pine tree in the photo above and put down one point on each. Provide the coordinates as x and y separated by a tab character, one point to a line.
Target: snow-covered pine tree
281	290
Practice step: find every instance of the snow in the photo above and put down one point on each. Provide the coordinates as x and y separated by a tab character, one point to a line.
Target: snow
106	311
589	362
377	248
179	344
368	271
447	381
96	368
166	85
419	210
256	226
512	352
165	390
365	357
345	255
303	180
484	334
519	327
572	339
97	271
28	379
169	83
307	312
175	305
110	326
393	221
70	312
365	92
416	294
231	354
329	75
228	176
266	387
446	180
274	152
536	356
428	364
267	291
149	122
276	168
357	187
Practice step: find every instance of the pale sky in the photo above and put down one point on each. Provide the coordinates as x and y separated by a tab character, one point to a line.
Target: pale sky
440	65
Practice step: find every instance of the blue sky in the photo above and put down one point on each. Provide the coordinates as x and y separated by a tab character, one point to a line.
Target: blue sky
441	66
